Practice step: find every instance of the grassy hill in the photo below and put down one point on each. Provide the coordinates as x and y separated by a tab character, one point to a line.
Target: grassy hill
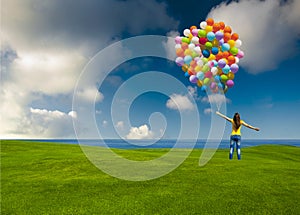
50	178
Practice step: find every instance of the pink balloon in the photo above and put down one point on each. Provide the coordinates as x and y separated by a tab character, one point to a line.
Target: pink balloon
178	40
240	54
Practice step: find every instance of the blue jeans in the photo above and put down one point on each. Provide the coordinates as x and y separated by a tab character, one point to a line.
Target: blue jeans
235	139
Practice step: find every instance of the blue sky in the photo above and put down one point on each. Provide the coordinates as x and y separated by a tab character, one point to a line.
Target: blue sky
47	44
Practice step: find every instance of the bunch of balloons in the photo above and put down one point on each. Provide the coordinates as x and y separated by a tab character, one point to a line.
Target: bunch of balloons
209	56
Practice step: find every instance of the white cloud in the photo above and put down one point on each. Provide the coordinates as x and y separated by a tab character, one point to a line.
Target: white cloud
43	123
207	111
120	125
180	102
104	123
90	94
142	132
193	91
169	45
268	29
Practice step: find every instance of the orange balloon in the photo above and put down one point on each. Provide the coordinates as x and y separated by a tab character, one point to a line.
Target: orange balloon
184	46
227	29
216	27
210	21
193	63
222	25
231	59
191	72
227	36
179	52
235	36
225	54
219	55
193	27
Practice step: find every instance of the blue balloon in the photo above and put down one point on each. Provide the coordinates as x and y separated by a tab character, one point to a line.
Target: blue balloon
203	88
225	47
186	74
211	36
226	69
206	53
200	75
188	59
217	78
214	50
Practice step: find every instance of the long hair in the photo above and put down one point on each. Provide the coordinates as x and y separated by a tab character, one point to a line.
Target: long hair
237	120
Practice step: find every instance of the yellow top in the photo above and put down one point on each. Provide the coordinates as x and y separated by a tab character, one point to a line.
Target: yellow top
234	130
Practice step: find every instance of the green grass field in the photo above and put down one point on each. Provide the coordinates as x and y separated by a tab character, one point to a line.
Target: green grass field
49	178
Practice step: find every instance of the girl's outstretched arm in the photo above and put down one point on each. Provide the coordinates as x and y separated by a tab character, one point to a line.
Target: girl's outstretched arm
250	126
225	117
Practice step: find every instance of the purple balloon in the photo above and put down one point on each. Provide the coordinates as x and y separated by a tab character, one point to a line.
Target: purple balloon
213	85
234	68
221	63
229	83
219	35
193	79
179	61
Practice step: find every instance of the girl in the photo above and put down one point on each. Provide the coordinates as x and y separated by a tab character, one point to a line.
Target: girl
235	137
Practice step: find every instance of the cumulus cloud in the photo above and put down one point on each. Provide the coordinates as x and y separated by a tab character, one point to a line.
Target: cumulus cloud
169	45
42	123
44	49
207	111
142	132
268	29
90	94
179	102
120	125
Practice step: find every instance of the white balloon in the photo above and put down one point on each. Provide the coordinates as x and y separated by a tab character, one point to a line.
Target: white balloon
195	40
237	60
177	46
203	25
238	43
197	49
214	70
186	32
191	46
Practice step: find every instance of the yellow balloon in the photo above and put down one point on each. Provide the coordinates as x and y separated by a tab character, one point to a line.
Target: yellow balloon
231	43
188	52
230	75
184	67
220	71
200	83
208	28
215	43
211	57
198	68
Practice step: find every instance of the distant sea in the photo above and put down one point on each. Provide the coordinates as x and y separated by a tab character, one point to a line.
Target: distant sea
167	143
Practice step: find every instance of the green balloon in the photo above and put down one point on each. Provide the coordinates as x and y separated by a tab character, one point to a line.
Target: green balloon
205	68
224	78
206	81
204	60
202	33
185	40
234	50
208	45
194	54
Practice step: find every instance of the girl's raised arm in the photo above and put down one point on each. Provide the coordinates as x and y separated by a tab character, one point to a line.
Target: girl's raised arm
225	117
250	126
